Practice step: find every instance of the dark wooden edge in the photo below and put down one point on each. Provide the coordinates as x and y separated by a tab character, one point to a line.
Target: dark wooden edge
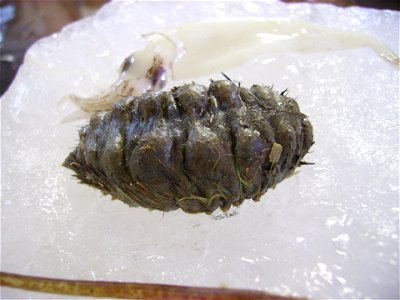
128	290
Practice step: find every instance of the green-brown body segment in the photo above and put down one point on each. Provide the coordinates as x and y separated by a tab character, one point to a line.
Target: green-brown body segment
194	148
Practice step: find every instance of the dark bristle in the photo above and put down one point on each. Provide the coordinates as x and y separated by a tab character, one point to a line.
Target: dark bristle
304	163
226	76
284	92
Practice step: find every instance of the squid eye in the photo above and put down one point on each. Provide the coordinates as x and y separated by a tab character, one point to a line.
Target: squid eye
127	63
157	74
159	78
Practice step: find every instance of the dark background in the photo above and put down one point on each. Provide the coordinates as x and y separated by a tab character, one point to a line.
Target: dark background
25	21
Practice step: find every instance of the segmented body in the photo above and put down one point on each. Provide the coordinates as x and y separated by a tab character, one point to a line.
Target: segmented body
194	148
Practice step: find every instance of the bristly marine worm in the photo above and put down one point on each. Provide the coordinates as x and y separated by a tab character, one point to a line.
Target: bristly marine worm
196	148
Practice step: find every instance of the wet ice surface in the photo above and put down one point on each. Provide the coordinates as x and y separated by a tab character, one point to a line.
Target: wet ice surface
330	231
